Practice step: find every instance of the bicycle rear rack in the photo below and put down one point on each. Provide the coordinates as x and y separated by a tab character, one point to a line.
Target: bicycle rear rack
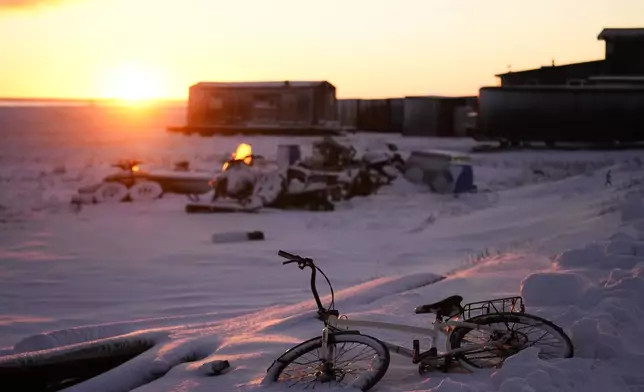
498	305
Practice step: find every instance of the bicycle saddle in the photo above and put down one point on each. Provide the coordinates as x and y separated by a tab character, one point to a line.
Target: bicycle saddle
450	306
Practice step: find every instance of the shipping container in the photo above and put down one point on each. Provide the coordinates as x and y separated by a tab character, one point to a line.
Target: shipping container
420	116
263	103
371	115
397	114
348	113
377	115
437	116
561	113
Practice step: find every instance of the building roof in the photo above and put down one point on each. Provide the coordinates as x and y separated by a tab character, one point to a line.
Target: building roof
440	96
273	84
617	78
589	87
612	33
547	67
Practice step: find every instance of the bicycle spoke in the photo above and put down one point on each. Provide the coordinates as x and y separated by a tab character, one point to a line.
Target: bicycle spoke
514	333
346	363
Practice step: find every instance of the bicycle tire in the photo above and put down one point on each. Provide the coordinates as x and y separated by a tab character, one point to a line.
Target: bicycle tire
456	337
363	383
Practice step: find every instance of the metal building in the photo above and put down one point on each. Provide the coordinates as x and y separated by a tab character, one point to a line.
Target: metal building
215	107
372	115
624	56
348	113
595	101
561	114
437	116
410	116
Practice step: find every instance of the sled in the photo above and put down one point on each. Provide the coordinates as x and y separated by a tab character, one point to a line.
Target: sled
133	184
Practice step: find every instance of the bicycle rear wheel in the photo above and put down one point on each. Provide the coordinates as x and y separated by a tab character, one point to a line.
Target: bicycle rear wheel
526	330
303	365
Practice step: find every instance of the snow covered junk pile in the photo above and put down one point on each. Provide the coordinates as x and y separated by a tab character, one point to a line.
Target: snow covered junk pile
331	173
248	182
131	183
442	171
335	167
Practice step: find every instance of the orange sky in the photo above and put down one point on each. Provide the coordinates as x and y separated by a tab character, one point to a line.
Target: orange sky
366	48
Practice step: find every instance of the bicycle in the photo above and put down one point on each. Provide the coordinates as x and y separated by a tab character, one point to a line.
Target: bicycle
327	368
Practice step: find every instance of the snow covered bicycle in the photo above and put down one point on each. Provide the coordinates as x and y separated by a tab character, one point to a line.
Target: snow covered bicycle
503	324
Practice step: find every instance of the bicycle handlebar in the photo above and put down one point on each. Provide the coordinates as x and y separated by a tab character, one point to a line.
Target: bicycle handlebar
286	254
303	262
292	258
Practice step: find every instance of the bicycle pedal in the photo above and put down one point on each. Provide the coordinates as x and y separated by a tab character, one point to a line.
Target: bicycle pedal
429	366
424	369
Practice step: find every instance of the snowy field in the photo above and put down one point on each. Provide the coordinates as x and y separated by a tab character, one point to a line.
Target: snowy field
543	226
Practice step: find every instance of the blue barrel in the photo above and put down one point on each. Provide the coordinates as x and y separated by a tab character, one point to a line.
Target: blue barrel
465	180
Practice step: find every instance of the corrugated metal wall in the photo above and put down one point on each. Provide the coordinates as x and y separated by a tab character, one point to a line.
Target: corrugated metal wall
397	114
420	116
562	113
437	116
209	106
348	112
372	115
413	116
375	115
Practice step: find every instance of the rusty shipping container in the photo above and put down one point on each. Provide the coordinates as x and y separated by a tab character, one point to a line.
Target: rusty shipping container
261	103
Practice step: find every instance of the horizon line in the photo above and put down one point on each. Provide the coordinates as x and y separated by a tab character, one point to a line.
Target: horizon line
64	99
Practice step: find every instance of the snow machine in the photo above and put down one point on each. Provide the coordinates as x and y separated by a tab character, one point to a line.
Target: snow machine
241	188
233	189
331	174
131	183
336	165
244	186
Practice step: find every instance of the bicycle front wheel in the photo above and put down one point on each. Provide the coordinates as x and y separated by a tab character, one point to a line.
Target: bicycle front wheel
359	361
525	330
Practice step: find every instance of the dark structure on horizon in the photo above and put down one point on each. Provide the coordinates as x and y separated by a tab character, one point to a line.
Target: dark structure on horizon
297	108
624	58
595	101
438	116
435	116
311	109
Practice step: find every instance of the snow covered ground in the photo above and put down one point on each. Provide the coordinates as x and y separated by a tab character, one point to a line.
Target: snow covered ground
543	226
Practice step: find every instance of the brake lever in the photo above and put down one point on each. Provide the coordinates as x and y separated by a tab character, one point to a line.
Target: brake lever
288	262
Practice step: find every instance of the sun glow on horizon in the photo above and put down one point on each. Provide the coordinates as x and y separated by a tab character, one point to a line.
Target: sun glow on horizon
114	50
133	84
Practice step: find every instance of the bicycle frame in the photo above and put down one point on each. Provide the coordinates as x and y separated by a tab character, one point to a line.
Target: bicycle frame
335	323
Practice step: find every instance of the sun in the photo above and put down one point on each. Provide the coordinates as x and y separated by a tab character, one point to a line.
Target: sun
133	84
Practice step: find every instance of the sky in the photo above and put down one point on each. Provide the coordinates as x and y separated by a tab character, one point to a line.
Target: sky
366	48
